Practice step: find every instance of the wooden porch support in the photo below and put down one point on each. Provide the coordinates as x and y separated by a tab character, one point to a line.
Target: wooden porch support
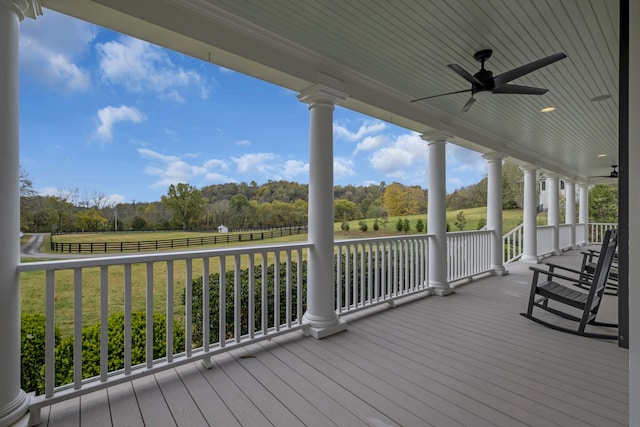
494	210
553	213
14	402
437	214
529	208
321	314
570	208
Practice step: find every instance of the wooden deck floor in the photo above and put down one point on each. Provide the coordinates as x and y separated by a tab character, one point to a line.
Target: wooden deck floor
465	359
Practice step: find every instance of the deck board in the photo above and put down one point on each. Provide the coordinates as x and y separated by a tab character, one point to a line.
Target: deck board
466	359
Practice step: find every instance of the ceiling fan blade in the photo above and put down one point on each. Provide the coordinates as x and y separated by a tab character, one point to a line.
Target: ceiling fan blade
468	104
442	94
506	77
465	74
520	90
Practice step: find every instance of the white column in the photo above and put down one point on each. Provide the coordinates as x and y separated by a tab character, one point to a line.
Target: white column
583	210
570	208
437	215
14	402
553	212
634	211
321	314
529	208
494	210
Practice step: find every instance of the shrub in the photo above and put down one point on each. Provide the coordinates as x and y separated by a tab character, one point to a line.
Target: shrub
91	345
419	226
406	226
345	224
32	335
461	221
482	222
376	224
399	224
363	225
214	301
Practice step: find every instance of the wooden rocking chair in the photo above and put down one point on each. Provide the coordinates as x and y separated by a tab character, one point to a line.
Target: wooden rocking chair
542	291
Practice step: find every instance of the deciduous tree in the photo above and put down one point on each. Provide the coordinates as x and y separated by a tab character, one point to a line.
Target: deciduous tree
186	202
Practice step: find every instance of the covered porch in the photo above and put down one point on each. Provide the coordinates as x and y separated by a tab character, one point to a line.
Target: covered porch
464	360
468	359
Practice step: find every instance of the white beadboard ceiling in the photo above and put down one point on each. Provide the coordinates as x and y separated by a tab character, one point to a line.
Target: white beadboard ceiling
389	52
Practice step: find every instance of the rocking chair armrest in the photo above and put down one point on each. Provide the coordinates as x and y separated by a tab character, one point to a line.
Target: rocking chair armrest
554	274
568	269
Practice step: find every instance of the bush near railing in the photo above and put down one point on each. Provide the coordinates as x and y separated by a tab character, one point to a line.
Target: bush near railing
33	348
155	245
271	292
32	334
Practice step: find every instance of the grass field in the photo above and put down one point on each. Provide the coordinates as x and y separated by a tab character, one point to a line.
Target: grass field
32	283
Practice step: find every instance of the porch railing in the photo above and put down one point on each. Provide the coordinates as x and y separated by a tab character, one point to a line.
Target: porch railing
262	303
512	242
374	271
596	231
564	240
468	254
544	236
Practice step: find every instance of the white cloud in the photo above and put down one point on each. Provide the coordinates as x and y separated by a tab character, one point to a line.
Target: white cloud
52	55
295	168
343	167
109	116
371	142
256	162
406	152
114	199
144	68
366	128
170	169
243	143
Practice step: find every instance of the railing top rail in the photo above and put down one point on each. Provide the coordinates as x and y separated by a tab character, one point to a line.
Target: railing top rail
385	239
471	232
545	227
155	257
515	230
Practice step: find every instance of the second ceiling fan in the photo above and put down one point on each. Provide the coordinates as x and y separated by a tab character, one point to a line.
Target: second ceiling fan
483	83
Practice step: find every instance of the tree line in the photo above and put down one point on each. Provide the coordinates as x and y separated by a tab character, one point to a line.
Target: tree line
252	205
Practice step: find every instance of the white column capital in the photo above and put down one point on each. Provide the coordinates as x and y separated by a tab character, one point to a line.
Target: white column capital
528	168
24	8
437	137
327	91
552	175
494	156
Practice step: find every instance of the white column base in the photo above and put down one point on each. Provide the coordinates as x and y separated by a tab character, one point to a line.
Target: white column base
319	332
499	270
440	291
529	259
15	410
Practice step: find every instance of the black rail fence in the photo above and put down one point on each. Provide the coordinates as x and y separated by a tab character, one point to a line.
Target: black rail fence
184	242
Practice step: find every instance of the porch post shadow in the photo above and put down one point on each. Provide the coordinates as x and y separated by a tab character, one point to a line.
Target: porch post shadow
529	208
321	315
14	402
494	211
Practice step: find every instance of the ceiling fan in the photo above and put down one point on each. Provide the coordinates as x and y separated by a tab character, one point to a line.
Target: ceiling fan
613	174
483	83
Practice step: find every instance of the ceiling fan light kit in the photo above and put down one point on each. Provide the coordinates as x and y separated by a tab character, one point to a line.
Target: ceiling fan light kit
484	84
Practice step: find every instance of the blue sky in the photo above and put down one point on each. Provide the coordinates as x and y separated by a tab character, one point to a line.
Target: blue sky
110	115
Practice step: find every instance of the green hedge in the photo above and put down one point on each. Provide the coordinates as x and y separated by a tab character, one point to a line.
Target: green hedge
214	300
33	340
32	334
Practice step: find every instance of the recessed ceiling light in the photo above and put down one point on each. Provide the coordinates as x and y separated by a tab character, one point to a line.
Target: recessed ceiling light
600	98
602	155
548	109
